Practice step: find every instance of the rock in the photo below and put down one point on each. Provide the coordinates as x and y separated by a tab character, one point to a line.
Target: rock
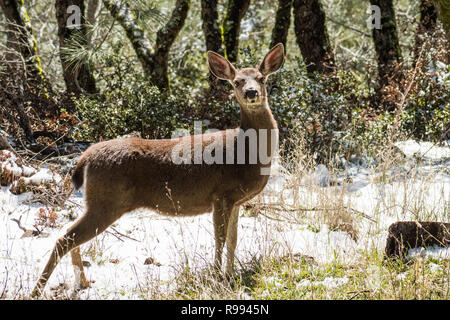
152	261
299	258
404	235
4	144
86	264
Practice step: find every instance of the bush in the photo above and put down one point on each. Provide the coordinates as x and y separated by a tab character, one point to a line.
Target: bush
333	114
139	107
322	109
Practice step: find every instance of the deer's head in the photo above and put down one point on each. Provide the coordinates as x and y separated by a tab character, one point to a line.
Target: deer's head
248	83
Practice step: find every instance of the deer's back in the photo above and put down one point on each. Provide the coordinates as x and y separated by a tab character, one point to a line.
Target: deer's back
131	173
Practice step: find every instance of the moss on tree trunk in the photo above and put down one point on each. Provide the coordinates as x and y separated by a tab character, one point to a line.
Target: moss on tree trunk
427	25
164	40
213	39
21	38
210	26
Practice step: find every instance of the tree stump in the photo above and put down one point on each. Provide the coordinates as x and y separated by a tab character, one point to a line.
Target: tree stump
404	235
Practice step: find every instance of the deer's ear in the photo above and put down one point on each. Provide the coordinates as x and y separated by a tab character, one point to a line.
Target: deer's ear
273	60
220	66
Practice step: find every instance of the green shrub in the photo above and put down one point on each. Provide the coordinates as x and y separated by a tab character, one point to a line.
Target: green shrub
332	114
139	107
322	109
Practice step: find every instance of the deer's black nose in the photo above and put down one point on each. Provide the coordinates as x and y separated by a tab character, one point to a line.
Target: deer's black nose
250	93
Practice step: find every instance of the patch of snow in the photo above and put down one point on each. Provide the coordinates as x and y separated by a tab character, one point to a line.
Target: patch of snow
435	252
427	150
43	176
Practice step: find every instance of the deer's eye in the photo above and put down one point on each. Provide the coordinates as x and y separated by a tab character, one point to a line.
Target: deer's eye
237	83
261	80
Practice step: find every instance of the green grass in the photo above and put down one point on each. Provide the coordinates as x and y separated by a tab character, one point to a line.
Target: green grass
372	278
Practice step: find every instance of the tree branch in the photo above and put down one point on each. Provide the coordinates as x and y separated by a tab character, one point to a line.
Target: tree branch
120	11
154	62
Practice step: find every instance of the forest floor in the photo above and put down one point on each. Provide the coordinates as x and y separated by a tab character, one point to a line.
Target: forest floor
316	234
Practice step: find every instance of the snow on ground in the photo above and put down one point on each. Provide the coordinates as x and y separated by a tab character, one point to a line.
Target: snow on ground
427	150
117	256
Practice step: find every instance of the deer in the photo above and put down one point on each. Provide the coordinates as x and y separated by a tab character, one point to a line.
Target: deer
125	174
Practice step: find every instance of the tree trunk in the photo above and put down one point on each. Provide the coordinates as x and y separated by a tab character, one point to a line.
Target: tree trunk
120	12
213	39
25	83
232	26
93	8
154	63
165	37
428	15
21	39
70	15
312	36
427	25
443	11
210	26
388	53
282	23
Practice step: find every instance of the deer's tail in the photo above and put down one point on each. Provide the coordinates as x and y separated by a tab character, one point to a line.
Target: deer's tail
78	173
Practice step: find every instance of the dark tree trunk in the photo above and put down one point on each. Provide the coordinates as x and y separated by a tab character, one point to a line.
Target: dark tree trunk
443	12
164	40
24	83
21	39
388	53
312	36
213	39
232	26
282	23
427	25
210	26
77	74
428	15
154	63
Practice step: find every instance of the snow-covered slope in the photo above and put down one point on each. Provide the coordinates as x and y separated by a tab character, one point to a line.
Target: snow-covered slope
117	256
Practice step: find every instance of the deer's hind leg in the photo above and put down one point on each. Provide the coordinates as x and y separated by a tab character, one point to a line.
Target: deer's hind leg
78	267
92	223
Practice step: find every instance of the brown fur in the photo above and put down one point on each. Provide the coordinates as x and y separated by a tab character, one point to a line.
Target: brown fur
122	175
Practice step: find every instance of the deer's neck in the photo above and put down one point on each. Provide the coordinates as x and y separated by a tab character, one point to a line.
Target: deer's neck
260	119
257	117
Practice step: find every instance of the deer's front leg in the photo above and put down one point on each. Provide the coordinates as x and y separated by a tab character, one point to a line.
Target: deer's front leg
219	232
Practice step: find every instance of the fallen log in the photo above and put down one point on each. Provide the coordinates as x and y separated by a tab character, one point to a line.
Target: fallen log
405	235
